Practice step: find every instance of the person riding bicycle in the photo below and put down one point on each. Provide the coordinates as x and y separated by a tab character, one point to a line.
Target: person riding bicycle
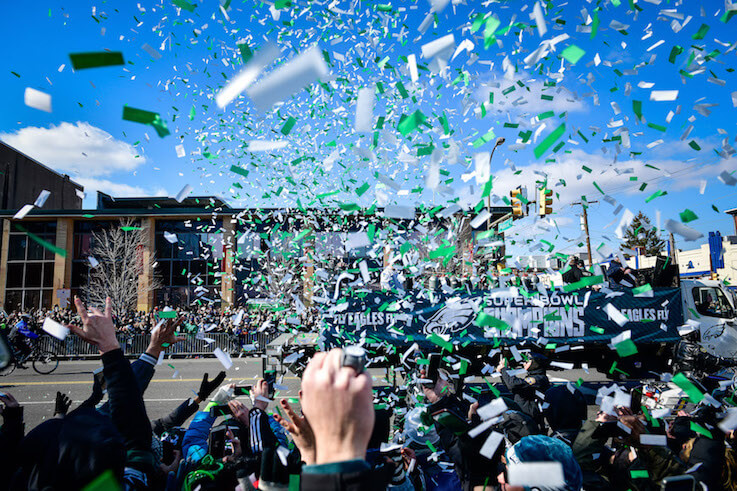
21	335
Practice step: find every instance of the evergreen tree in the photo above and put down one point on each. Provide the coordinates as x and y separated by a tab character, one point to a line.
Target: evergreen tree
642	234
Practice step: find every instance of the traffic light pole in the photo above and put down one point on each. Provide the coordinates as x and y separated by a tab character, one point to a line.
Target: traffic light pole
585	215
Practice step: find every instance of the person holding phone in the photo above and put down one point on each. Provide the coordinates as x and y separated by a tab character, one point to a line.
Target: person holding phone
453	417
525	389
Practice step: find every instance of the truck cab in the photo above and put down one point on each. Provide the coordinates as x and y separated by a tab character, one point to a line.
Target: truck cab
710	307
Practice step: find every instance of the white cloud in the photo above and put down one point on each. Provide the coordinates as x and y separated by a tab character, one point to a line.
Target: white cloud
116	189
79	149
613	178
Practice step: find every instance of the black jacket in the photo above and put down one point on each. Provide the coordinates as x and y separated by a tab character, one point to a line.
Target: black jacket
524	391
690	359
175	418
11	434
358	476
69	452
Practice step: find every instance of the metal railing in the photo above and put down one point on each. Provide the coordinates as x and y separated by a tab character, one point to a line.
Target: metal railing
135	344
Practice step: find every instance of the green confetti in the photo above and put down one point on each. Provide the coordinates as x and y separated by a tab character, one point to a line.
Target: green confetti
640	290
656	194
675	51
486	320
46	245
700	429
597	330
288	126
362	189
626	348
594	24
436	339
701	32
239	170
585	282
168	314
639	474
694	145
246	53
572	53
96	59
184	4
687	216
549	140
104	482
484	139
407	124
688	387
146	117
637	109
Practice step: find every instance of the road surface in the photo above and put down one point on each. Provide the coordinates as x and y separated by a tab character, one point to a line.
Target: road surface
174	381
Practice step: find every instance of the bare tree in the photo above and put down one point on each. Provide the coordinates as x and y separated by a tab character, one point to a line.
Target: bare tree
119	251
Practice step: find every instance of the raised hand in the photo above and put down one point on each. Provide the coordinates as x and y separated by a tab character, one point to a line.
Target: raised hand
206	387
62	404
338	403
165	334
240	411
97	327
301	431
8	401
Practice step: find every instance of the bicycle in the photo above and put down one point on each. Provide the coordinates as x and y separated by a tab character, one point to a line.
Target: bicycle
43	361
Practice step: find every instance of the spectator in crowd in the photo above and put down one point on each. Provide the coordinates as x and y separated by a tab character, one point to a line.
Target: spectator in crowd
574	274
621	275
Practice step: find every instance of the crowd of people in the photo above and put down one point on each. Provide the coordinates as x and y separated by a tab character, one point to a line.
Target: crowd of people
437	432
212	318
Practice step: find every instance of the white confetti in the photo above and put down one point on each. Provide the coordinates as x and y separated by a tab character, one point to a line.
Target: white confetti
57	330
297	73
37	99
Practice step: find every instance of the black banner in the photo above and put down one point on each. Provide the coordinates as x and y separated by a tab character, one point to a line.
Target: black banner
505	316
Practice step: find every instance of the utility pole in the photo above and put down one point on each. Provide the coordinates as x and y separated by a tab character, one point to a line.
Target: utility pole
585	215
673	258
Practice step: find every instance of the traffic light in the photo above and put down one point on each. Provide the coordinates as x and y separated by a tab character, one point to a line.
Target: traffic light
516	200
545	202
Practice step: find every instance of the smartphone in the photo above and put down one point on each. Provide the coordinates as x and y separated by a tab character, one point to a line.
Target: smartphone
216	411
242	390
449	419
678	483
636	403
216	443
270	378
433	366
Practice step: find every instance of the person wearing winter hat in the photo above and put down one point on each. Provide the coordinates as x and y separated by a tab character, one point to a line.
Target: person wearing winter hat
538	449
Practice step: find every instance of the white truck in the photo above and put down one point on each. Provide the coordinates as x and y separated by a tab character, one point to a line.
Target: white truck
708	306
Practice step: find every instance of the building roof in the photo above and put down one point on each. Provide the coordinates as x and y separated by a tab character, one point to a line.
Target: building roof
107	202
62	176
201	206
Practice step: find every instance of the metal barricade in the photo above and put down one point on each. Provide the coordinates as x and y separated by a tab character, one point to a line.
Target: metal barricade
135	344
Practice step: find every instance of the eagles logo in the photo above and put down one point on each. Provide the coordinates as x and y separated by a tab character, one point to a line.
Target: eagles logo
712	333
451	320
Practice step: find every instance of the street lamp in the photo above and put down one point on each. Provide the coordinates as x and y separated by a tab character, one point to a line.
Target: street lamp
499	141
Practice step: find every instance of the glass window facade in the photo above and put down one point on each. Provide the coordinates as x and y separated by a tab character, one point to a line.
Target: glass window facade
188	268
82	246
30	277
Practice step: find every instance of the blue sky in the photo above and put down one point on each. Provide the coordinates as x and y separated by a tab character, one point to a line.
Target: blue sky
86	137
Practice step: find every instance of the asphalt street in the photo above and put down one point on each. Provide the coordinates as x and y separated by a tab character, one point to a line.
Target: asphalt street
174	381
